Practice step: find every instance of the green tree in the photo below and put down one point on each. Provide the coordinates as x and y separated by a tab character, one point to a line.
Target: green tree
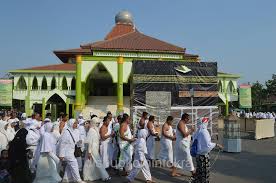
259	94
271	86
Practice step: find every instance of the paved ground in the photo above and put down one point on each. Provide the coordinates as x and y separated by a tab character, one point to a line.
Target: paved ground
255	164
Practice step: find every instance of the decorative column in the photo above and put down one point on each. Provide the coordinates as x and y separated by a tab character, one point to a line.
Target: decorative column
227	106
59	87
73	109
78	104
83	94
226	98
28	97
43	108
27	105
67	106
120	84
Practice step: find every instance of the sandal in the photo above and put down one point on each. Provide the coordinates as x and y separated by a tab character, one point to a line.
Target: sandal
107	179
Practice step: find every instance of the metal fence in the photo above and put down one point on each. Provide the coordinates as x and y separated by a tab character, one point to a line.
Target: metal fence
195	113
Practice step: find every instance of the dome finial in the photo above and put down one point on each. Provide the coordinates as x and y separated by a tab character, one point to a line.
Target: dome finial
124	17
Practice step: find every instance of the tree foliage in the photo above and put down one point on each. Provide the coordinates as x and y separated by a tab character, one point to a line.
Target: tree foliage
263	93
271	86
259	94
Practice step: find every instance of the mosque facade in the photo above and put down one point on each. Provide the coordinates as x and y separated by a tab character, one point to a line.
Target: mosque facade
96	76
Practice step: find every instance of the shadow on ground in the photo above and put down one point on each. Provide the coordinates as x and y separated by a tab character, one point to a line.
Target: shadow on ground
256	162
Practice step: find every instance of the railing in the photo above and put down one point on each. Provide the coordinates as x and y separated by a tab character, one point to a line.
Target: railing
69	92
197	112
19	94
38	94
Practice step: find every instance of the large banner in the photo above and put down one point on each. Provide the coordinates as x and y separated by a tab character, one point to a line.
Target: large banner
5	92
245	96
169	83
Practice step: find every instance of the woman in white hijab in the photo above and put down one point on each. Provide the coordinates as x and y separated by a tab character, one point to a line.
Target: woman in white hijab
204	147
67	144
93	167
56	130
32	139
48	161
42	128
10	131
4	140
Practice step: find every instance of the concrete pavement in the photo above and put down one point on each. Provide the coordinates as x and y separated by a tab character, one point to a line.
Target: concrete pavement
255	164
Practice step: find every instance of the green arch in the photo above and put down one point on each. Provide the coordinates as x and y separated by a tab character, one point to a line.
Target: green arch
231	87
21	83
44	84
53	83
91	70
64	85
35	84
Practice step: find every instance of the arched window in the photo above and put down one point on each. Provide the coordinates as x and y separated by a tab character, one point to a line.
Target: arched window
73	84
54	83
64	84
21	84
44	84
230	88
35	84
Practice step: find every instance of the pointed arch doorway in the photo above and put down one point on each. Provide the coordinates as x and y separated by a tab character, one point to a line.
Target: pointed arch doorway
55	105
100	82
101	91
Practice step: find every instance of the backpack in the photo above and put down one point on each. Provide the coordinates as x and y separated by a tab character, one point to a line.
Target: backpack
193	150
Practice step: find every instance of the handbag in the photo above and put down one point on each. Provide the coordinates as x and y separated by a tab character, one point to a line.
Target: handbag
78	152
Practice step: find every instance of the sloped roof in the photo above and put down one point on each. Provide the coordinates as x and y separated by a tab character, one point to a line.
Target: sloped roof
119	30
63	55
124	37
135	41
56	67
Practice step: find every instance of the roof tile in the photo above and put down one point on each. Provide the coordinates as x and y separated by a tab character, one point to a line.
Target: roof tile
57	67
125	38
136	41
119	30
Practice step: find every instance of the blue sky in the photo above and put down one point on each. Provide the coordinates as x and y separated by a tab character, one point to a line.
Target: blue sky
239	35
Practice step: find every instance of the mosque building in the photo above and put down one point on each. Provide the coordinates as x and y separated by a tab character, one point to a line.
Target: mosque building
96	76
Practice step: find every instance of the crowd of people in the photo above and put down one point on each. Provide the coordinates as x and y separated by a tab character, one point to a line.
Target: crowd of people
257	115
78	150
